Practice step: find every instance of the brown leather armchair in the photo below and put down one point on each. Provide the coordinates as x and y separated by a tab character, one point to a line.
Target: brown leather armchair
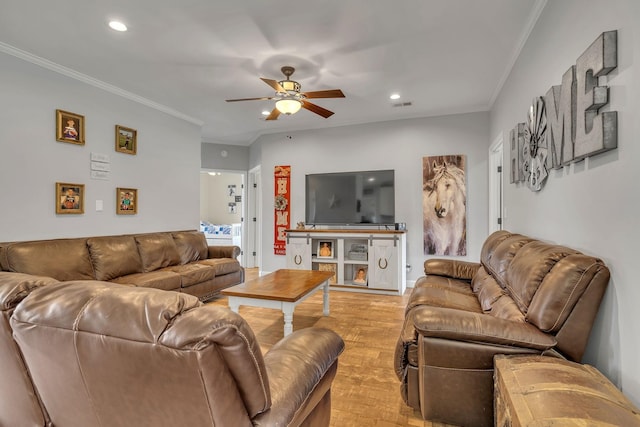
19	402
524	297
106	354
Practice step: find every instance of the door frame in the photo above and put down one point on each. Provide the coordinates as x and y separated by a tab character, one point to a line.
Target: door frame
496	183
254	227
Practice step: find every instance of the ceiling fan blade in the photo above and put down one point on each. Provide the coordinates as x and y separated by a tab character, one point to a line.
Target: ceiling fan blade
274	114
316	109
274	84
332	93
250	99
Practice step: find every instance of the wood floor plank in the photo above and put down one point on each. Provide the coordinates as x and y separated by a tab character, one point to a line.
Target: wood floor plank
366	391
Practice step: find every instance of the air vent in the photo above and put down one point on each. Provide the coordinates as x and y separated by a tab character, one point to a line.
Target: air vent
403	104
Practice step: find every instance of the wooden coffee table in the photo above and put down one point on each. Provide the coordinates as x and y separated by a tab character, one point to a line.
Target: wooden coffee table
282	289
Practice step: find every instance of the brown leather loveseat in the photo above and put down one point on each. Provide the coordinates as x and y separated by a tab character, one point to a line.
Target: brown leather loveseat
173	261
524	297
103	354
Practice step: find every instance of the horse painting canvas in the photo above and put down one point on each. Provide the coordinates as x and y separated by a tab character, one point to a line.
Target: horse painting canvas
444	200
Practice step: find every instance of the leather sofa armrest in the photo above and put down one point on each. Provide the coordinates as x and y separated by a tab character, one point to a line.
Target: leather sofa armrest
296	367
438	322
463	270
224	252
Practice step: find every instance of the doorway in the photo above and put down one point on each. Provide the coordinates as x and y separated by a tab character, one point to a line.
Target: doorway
223	209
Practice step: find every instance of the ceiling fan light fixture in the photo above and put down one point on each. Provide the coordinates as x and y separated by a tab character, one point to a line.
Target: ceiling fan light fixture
288	106
290	86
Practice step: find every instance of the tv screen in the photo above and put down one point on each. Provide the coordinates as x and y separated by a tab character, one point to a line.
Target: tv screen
350	198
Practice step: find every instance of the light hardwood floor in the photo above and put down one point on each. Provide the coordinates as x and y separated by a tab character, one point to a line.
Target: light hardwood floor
366	390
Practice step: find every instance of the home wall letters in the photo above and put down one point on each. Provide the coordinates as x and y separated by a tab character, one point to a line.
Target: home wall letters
576	128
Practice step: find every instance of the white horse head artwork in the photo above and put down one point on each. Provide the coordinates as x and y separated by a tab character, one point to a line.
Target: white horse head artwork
444	198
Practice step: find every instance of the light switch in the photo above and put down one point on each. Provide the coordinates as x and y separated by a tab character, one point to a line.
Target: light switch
99	205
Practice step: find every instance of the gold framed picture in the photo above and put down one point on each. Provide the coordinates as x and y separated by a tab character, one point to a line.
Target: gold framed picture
126	201
69	127
126	140
69	198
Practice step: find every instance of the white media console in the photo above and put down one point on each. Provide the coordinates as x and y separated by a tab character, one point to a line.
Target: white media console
362	260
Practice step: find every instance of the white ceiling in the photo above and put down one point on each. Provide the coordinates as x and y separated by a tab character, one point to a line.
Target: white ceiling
187	57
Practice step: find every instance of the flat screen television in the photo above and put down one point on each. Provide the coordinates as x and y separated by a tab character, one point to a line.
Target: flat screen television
350	198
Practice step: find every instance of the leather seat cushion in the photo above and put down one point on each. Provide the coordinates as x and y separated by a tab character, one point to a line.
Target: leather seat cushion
162	279
222	266
191	274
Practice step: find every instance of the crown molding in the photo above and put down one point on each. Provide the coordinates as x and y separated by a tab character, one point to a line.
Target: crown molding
68	72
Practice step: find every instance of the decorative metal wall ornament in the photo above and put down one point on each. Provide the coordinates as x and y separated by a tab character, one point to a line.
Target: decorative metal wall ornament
535	146
577	128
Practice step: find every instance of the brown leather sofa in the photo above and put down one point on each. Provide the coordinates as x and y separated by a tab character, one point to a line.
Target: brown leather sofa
103	354
524	297
173	261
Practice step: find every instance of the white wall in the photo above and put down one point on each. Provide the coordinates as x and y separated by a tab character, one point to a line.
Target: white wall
165	170
593	205
215	199
398	145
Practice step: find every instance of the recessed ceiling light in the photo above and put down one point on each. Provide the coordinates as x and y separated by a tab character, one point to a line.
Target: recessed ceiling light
395	96
117	25
266	113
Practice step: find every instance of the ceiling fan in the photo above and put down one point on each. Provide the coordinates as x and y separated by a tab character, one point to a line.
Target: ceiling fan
289	99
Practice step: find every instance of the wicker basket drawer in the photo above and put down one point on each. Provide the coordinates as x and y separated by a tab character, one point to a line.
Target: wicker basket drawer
546	391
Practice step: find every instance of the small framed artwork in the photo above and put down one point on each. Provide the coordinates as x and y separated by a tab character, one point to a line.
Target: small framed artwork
127	201
69	127
69	198
326	266
325	249
360	275
126	140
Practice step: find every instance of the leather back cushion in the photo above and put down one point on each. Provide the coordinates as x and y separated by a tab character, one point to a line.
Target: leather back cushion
487	289
157	250
62	259
542	281
562	287
529	268
3	257
498	251
114	256
192	246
